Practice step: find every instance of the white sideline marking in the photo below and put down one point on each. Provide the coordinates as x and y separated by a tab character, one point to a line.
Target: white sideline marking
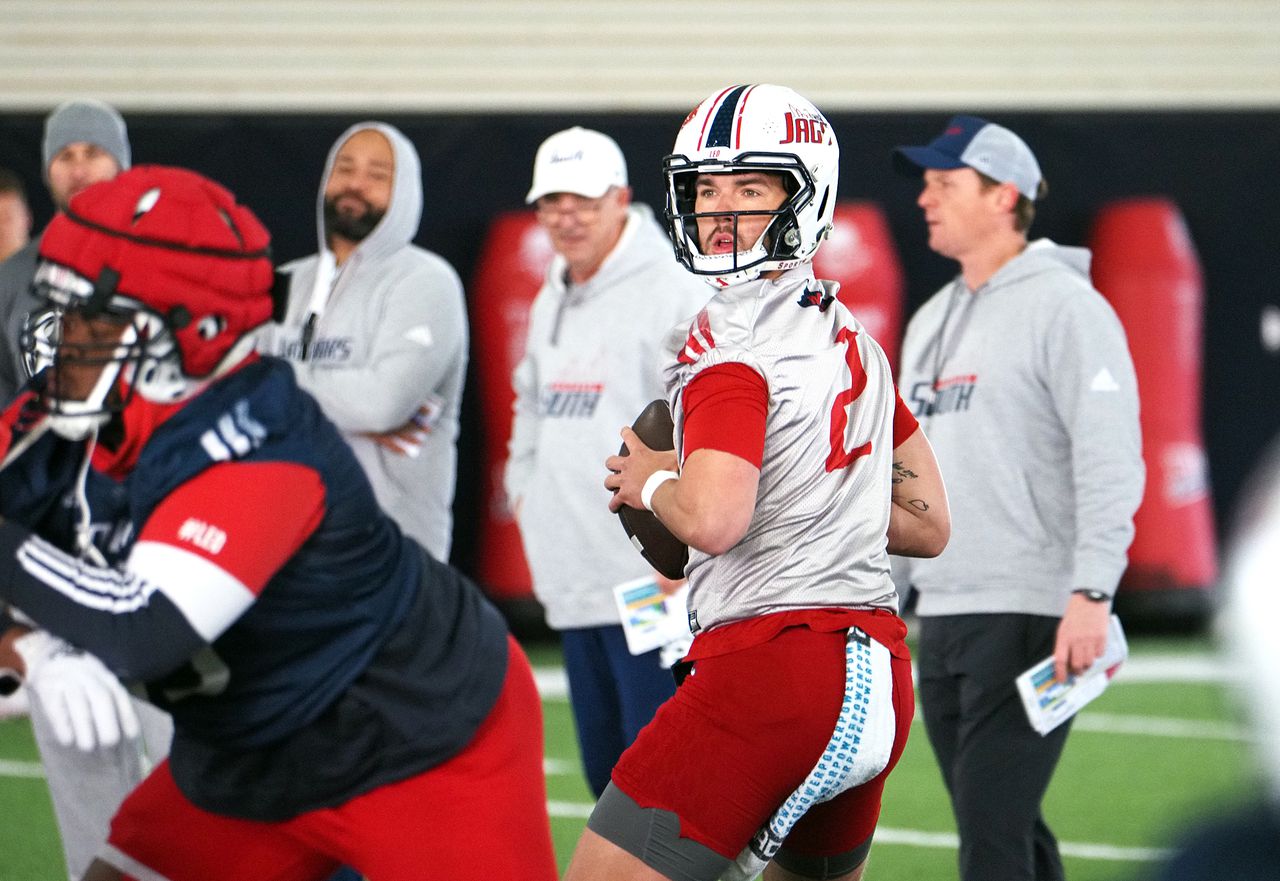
1160	726
1204	667
919	838
916	838
552	683
1153	726
573	810
10	768
559	767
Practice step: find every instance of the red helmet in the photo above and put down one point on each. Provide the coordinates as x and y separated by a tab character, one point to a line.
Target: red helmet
171	254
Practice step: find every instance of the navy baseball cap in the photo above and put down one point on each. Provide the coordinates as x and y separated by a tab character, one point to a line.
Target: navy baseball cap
972	142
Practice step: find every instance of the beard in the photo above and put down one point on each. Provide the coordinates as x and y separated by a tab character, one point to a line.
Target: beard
352	226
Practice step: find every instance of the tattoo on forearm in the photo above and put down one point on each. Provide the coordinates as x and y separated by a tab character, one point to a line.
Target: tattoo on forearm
918	504
901	473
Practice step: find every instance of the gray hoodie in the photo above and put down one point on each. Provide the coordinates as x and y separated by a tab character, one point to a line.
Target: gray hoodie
17	301
390	335
590	366
1030	401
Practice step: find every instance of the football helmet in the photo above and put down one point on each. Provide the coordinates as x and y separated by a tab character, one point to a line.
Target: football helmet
754	128
170	272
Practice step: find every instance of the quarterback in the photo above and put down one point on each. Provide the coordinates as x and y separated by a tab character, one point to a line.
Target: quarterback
798	472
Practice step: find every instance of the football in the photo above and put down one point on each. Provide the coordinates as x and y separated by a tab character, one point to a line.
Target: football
665	553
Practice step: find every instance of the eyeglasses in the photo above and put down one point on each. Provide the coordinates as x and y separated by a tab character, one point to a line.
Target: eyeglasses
552	208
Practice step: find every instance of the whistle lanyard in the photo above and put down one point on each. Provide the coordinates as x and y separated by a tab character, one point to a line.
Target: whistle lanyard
328	273
944	348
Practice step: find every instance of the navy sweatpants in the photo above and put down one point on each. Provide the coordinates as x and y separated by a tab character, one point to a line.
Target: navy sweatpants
613	693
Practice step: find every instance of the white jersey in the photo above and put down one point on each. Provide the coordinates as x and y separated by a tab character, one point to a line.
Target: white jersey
818	535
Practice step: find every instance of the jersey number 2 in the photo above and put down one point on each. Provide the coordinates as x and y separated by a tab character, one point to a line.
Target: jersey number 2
838	457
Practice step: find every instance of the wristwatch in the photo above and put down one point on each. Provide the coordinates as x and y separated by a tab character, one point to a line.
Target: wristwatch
1093	596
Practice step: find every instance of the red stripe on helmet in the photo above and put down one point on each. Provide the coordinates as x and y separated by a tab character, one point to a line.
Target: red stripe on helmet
742	104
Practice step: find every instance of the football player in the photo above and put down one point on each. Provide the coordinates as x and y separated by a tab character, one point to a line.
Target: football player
798	472
174	504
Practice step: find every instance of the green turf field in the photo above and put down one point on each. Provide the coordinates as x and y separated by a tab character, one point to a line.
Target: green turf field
1148	757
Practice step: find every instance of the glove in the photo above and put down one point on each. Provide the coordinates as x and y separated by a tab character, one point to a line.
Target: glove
85	703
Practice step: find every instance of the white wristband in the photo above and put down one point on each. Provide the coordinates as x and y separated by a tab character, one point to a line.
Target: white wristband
656	479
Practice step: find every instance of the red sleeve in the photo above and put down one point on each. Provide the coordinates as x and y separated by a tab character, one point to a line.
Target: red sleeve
19	418
248	518
724	409
904	422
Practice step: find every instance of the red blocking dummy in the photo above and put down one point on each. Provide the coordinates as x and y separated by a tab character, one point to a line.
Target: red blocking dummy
861	255
512	263
1145	264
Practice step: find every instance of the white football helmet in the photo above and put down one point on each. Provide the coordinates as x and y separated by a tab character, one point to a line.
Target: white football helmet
755	128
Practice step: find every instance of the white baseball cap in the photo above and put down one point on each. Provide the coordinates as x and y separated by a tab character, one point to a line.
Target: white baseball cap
577	160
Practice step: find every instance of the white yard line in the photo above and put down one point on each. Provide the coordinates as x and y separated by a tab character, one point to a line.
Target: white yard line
1203	667
571	810
552	683
1160	726
10	768
559	767
917	838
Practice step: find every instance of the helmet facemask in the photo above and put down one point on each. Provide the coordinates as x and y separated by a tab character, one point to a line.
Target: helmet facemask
778	243
87	328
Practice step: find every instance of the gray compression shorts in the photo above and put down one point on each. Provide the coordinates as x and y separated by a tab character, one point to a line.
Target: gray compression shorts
652	835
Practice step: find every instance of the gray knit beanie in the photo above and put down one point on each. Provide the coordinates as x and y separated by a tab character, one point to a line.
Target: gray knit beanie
90	121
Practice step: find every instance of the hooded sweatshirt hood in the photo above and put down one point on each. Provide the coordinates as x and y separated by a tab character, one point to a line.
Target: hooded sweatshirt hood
404	213
1043	255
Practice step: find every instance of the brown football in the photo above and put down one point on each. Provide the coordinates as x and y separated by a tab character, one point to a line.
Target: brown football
665	553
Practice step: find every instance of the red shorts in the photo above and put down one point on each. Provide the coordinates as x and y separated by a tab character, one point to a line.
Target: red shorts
482	814
745	730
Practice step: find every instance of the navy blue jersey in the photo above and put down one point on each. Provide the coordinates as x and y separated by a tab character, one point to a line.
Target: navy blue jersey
359	659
